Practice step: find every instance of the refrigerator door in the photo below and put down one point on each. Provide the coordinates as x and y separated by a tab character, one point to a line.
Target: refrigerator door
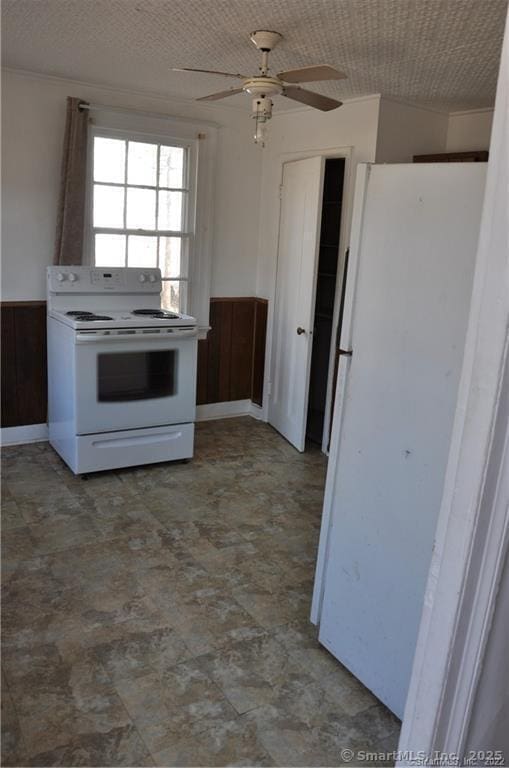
410	279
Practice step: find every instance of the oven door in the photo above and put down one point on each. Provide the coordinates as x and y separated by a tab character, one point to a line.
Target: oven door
134	379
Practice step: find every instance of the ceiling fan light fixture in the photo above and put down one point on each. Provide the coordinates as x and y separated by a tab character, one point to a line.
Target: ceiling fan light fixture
262	112
263	87
260	134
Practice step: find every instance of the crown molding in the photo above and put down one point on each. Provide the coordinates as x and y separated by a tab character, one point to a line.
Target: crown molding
122	91
480	111
178	99
414	105
156	95
345	102
427	108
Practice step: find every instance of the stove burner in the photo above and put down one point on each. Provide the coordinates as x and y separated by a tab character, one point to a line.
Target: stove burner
163	314
76	312
90	316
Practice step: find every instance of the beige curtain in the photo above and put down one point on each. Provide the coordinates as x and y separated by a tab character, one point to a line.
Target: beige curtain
71	204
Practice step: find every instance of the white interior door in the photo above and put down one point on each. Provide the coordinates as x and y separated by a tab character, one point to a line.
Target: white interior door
414	260
299	233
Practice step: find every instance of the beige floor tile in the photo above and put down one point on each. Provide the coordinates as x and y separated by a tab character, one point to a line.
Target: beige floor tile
158	615
231	742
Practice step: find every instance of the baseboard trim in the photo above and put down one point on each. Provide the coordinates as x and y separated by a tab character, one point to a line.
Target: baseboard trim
30	433
227	410
257	412
38	433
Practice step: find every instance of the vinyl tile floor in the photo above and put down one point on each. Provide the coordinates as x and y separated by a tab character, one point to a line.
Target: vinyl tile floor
159	615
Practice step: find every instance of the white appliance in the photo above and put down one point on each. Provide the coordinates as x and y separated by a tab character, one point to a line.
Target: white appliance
413	247
121	370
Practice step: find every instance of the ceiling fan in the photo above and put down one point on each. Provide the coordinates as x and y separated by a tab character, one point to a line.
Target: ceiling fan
263	86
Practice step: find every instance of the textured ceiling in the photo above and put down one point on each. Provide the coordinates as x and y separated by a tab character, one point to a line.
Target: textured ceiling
438	53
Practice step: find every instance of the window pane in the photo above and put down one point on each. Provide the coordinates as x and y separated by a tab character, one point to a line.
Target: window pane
109	160
141	208
110	250
108	206
174	295
170	210
142	163
171	167
141	251
173	256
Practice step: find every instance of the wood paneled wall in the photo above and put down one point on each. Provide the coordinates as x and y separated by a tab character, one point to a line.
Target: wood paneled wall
230	361
475	156
259	339
24	386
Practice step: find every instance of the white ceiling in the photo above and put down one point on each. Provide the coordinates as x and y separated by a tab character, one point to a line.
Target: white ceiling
438	53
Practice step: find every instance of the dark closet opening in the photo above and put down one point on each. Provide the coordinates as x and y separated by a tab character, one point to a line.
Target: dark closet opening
325	293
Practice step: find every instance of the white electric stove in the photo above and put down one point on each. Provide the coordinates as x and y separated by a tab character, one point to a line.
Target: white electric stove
121	370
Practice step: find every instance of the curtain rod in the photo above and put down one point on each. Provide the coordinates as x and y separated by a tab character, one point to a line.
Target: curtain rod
160	115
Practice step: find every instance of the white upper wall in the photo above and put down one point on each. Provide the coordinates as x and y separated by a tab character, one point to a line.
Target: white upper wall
247	179
304	133
405	131
33	118
469	130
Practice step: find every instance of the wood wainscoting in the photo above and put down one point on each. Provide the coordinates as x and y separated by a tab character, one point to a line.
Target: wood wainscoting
24	384
230	361
475	156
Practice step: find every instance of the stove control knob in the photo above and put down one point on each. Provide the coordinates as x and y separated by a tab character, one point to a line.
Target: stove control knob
73	277
60	277
142	278
152	278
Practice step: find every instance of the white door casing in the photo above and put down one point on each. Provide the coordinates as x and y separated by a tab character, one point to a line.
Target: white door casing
461	602
414	255
299	231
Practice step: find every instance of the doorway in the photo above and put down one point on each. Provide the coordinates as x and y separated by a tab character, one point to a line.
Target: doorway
332	202
306	289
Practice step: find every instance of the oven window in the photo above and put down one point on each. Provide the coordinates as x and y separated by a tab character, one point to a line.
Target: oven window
127	376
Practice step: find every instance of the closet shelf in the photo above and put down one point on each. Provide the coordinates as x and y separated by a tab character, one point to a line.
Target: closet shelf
323	315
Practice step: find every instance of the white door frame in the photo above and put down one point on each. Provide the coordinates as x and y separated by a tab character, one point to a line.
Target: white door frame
287	157
300	177
473	527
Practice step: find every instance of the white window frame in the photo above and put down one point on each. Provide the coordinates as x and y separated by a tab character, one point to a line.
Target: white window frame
200	139
189	210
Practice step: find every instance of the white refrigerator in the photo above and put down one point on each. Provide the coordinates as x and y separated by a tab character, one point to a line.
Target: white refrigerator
412	255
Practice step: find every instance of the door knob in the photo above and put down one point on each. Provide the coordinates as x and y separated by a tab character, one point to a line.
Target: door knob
300	331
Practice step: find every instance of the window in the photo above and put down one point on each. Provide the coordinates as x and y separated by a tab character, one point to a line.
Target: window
142	209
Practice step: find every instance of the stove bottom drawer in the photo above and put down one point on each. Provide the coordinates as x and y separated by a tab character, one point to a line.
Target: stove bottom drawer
112	450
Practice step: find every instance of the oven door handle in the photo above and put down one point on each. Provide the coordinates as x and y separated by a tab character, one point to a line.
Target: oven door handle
114	338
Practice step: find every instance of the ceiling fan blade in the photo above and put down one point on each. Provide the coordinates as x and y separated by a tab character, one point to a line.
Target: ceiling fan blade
220	94
311	74
315	100
208	72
